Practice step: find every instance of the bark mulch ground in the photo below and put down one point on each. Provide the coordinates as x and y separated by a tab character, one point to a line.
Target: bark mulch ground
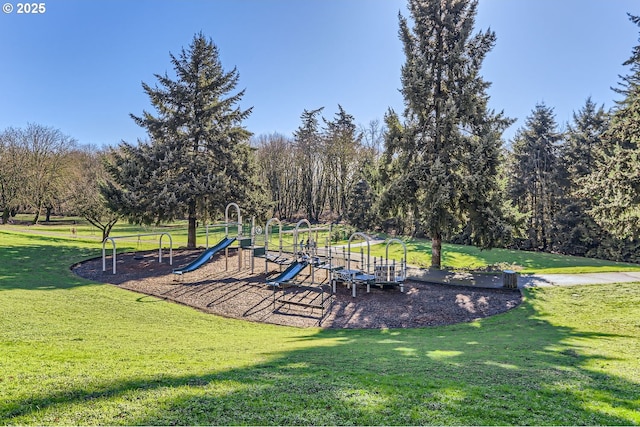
219	288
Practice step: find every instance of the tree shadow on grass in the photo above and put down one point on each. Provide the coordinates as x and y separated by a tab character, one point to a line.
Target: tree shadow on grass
37	262
513	369
37	266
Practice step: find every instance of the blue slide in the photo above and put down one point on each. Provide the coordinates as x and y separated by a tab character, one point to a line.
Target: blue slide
205	256
291	272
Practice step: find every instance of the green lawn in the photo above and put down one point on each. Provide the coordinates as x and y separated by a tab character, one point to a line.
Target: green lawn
419	250
75	352
133	237
470	257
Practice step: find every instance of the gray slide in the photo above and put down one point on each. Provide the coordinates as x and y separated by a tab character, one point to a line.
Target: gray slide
292	271
205	256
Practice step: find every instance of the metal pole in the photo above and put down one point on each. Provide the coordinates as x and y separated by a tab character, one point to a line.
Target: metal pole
253	239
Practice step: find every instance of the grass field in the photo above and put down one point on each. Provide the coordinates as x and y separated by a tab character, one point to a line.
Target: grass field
419	250
134	237
471	258
76	352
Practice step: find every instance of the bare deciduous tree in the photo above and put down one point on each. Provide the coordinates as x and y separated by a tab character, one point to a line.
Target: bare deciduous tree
47	163
12	171
83	195
34	166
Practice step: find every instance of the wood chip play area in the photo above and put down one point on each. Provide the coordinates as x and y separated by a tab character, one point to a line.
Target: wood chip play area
242	295
307	286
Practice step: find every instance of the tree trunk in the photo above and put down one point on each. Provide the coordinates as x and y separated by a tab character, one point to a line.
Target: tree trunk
436	250
37	217
49	209
106	230
6	215
191	239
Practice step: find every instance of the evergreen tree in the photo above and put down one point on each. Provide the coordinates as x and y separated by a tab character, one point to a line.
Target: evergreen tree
614	185
309	143
396	197
582	137
448	153
198	157
342	142
363	196
361	200
533	184
575	231
615	188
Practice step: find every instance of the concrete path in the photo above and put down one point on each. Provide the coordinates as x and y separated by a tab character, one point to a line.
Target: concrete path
494	280
527	280
360	243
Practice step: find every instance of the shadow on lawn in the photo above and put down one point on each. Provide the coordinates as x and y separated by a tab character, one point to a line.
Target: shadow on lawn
511	369
42	263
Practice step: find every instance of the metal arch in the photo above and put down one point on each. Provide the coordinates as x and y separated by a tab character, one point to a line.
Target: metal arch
266	241
104	257
226	219
366	239
295	233
395	240
113	243
170	248
266	234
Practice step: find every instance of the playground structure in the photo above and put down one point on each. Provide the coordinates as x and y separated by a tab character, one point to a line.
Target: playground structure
224	244
299	248
309	292
113	243
277	259
381	273
347	269
205	256
300	283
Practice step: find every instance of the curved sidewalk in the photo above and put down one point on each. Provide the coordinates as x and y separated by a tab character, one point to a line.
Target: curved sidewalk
528	280
494	280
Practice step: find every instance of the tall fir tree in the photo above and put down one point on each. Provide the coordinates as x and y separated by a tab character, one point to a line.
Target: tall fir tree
582	137
533	181
575	231
361	213
447	156
198	157
394	200
342	142
309	142
614	185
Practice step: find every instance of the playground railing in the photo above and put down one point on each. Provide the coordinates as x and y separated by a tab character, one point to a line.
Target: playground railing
113	242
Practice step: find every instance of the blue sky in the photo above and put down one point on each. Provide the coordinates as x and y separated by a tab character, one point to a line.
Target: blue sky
79	66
